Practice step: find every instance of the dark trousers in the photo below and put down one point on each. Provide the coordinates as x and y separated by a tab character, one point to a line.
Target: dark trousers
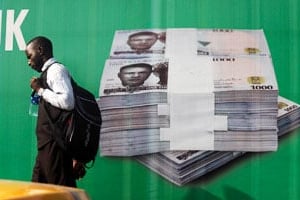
53	166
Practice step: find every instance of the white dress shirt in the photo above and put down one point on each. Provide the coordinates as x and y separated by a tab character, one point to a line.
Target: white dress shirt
59	80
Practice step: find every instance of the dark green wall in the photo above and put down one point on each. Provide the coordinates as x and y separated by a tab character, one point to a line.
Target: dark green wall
82	33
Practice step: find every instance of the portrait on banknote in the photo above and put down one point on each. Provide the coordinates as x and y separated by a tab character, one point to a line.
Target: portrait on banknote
125	76
138	43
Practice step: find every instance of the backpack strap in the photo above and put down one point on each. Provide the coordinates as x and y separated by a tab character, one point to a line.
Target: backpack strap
43	76
59	123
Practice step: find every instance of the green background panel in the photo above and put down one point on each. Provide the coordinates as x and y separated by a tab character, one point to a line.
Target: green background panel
82	33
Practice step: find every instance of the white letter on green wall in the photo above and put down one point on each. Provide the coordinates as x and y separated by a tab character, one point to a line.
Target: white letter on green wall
13	28
0	25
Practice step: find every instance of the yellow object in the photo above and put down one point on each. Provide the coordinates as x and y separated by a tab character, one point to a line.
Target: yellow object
17	190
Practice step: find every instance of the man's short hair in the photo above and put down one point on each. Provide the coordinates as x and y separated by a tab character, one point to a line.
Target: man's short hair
145	65
143	33
43	42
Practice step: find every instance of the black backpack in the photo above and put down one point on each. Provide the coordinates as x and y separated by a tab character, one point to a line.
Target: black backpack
83	132
78	131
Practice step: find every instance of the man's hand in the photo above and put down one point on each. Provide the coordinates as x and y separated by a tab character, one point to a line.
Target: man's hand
78	169
35	83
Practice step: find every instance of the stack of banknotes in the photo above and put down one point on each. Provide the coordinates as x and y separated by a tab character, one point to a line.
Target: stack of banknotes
132	119
182	167
191	90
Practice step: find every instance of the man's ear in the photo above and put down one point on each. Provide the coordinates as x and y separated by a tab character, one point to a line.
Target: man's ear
40	50
128	43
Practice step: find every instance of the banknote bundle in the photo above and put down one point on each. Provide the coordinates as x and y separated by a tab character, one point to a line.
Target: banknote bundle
188	89
134	107
243	84
251	112
288	115
182	167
